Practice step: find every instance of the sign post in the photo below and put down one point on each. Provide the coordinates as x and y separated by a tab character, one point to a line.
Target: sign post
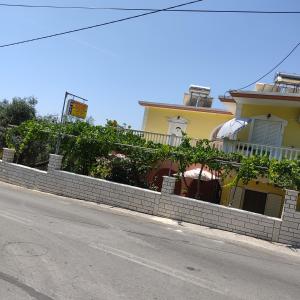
75	109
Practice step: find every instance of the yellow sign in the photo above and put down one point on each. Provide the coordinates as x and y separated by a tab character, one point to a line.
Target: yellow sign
77	109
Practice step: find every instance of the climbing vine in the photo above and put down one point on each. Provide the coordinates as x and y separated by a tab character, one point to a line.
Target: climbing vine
117	154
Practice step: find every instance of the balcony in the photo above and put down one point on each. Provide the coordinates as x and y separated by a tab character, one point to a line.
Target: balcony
249	149
159	138
225	145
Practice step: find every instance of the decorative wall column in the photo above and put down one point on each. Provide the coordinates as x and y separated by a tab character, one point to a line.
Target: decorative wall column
290	227
168	185
8	155
55	162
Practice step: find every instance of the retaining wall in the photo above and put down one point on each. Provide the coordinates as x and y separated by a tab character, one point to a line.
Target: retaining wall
165	204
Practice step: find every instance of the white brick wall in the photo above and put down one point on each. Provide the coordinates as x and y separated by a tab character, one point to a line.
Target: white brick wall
213	215
165	204
289	232
8	155
168	185
54	162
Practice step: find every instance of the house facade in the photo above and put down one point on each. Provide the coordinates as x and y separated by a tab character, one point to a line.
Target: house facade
264	121
195	116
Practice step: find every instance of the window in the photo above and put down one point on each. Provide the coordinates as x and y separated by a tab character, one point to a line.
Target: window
177	126
266	132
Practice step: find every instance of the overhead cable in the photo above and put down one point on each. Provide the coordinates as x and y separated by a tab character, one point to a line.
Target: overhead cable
151	9
97	25
272	69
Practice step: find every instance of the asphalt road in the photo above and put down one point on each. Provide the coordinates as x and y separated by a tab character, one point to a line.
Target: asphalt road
58	248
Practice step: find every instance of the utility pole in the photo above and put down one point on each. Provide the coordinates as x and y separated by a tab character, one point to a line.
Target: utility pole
61	123
62	119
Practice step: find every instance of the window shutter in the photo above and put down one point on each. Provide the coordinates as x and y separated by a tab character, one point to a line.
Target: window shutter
260	128
266	132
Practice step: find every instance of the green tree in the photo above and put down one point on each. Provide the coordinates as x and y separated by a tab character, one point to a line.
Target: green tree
183	156
285	173
15	112
207	156
249	168
33	140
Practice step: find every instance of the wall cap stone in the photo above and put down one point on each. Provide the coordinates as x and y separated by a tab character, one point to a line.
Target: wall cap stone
292	192
232	209
170	177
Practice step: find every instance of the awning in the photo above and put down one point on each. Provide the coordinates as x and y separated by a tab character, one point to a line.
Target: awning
205	175
231	127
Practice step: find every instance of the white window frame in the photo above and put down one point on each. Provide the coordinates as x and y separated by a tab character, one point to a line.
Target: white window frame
181	122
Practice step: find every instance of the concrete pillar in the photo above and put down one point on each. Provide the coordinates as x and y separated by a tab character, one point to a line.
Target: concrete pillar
54	162
290	226
290	203
168	185
8	155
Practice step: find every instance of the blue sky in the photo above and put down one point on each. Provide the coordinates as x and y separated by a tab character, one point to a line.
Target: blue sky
154	58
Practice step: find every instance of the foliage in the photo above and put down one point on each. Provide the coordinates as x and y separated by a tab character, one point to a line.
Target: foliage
252	168
15	113
31	141
183	156
116	153
206	155
285	173
83	143
87	149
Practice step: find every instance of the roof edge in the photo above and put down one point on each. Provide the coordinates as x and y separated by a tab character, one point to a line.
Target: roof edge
260	95
184	107
226	99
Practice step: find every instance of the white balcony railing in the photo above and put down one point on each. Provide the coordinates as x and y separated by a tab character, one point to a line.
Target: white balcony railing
249	149
225	145
165	139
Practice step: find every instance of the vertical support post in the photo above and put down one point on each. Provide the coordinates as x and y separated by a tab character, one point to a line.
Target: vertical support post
226	145
55	162
168	185
290	227
8	155
61	122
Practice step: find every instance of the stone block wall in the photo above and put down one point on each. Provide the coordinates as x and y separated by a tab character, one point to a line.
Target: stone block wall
54	162
221	217
8	155
77	186
290	228
165	204
21	175
102	191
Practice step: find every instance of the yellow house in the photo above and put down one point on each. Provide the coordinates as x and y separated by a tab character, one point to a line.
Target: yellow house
265	121
195	116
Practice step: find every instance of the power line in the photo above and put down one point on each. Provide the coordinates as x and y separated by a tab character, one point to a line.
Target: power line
276	66
97	25
149	9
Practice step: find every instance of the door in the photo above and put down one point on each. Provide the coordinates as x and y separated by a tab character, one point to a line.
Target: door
273	205
236	196
255	201
266	132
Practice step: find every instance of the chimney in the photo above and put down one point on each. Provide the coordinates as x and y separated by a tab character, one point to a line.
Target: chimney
198	96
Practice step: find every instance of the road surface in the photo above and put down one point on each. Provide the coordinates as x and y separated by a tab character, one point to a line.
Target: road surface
58	248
